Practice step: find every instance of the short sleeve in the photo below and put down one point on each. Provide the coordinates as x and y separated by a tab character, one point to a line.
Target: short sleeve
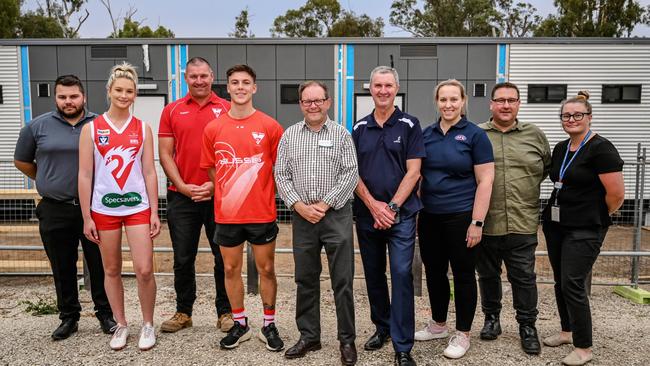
482	150
275	141
165	126
207	150
415	148
25	146
606	158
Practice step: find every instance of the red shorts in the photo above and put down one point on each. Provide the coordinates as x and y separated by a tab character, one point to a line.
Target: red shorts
108	222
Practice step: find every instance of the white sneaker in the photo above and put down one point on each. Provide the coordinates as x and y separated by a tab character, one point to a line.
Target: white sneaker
147	337
458	346
120	334
432	331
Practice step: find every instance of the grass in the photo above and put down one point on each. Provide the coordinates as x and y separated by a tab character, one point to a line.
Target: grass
40	307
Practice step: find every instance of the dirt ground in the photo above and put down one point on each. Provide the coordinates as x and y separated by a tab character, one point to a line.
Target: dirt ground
607	269
621	331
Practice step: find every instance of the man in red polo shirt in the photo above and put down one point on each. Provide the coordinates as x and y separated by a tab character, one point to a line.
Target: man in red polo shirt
189	198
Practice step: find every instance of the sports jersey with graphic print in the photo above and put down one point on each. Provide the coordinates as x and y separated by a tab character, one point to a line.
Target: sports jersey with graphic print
242	152
119	187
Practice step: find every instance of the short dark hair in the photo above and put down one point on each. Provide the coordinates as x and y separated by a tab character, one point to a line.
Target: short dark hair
505	84
69	80
241	68
309	83
196	61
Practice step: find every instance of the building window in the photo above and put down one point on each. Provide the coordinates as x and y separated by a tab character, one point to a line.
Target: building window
614	94
289	94
108	51
43	90
1	96
546	93
221	90
479	89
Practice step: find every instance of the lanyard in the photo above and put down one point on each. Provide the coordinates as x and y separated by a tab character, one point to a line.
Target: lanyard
565	165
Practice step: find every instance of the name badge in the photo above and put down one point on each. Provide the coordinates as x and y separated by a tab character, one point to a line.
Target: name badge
555	213
325	143
557	185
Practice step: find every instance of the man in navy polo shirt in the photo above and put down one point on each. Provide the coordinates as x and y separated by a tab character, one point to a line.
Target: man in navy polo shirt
389	151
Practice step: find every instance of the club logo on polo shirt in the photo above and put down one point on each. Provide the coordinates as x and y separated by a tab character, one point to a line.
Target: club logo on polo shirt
258	136
460	138
217	112
399	140
102	140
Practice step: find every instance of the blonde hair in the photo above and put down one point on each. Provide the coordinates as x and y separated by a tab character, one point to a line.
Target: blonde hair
459	85
124	70
581	98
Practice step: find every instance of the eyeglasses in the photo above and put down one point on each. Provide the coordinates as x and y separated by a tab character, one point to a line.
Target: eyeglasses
317	102
578	116
502	101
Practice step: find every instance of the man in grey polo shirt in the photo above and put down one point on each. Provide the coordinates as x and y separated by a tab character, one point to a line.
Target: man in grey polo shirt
47	151
316	173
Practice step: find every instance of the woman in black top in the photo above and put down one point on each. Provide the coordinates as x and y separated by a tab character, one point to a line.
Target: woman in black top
587	176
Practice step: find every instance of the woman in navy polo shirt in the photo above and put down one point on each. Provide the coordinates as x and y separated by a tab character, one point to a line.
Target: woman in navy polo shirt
586	171
457	176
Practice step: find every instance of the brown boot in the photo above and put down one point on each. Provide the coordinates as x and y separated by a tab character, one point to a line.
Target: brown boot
176	323
225	322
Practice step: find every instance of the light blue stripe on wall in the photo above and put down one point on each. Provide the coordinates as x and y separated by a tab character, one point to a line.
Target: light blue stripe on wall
183	61
27	97
501	74
172	52
339	84
349	87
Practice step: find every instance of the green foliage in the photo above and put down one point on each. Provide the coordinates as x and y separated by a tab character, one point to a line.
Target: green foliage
62	11
134	29
324	18
445	18
242	25
40	307
517	20
35	24
9	16
594	18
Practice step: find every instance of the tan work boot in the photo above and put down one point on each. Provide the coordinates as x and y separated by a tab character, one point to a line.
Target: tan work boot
225	322
176	323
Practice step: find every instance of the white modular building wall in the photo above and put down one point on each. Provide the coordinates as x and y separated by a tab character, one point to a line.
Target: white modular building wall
587	67
10	116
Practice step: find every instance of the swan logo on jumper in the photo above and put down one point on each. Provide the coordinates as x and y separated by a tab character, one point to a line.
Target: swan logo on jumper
120	161
258	136
460	138
217	112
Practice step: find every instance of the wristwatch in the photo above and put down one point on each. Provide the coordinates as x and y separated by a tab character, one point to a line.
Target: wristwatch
393	206
477	223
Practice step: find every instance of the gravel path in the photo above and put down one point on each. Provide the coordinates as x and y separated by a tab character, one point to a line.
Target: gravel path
621	331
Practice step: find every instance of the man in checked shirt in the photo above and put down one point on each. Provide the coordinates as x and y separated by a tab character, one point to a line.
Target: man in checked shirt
316	173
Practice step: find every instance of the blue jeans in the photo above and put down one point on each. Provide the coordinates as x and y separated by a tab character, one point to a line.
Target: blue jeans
397	318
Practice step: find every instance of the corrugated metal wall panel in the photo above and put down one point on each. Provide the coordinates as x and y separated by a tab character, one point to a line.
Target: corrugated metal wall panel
10	120
588	67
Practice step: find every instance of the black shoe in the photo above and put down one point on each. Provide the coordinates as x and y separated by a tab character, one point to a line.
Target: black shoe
65	330
529	339
301	348
238	333
348	354
107	324
271	337
376	341
404	359
491	328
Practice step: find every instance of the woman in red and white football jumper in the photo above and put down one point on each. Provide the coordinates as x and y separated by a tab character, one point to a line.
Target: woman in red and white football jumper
118	187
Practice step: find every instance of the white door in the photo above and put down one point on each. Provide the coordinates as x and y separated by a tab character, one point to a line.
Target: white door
148	108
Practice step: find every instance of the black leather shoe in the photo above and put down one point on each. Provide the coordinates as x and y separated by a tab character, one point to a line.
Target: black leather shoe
491	328
301	348
404	359
348	354
376	341
65	330
529	339
107	323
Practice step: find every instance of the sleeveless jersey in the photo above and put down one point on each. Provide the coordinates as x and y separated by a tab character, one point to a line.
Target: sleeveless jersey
119	186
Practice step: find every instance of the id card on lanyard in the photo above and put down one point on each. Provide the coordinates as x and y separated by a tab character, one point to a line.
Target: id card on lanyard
557	186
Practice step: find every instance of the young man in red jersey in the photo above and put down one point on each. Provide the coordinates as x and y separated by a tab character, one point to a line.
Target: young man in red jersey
239	151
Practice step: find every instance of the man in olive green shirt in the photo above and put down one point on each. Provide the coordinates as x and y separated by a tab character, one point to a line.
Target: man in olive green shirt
522	158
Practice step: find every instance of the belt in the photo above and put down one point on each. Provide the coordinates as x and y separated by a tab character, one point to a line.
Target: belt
74	201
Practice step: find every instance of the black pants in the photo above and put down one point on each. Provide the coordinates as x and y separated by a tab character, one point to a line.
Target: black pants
185	219
334	233
442	242
517	251
61	228
572	253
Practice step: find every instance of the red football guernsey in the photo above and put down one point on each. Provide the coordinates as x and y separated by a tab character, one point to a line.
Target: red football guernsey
243	152
184	120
